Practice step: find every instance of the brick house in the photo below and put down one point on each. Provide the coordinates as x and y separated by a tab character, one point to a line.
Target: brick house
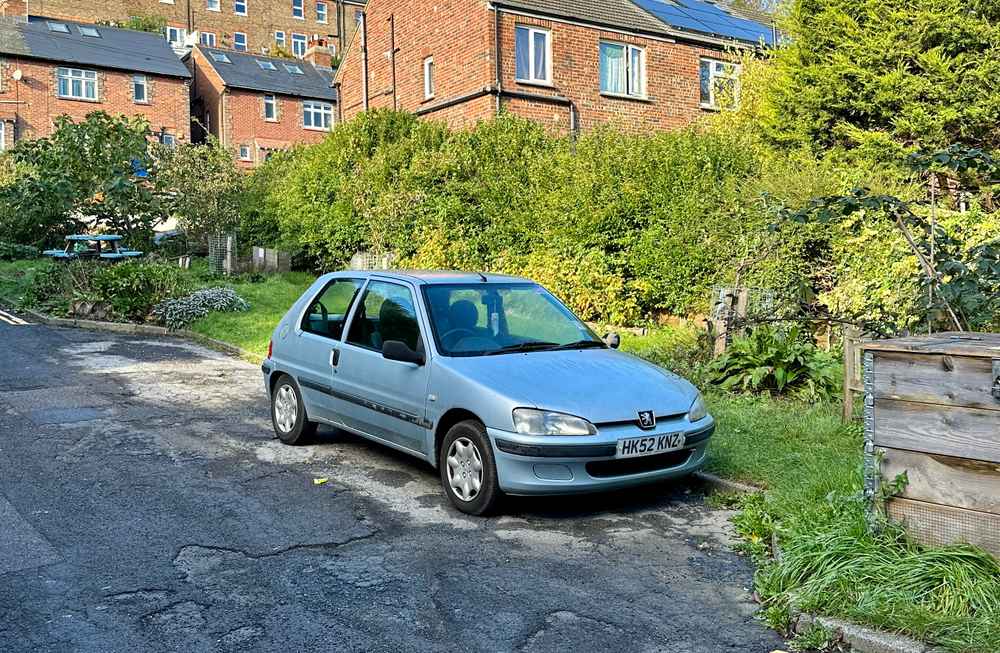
50	68
256	104
240	24
637	65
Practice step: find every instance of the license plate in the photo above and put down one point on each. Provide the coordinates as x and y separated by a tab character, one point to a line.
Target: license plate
649	445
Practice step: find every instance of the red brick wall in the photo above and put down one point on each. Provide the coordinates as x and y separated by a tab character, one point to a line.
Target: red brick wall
465	65
169	99
458	34
241	113
263	17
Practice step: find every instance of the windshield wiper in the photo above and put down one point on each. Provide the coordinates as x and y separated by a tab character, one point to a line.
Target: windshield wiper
531	345
580	344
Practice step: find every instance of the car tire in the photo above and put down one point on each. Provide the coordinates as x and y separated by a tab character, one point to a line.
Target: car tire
472	464
288	414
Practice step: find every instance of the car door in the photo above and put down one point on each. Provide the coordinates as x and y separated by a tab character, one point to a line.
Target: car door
317	352
386	398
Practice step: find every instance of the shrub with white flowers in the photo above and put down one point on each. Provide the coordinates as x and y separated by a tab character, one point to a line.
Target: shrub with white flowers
178	313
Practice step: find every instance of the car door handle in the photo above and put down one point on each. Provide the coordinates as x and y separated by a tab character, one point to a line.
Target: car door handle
334	357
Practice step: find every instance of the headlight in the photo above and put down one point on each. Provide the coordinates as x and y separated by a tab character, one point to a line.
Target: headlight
698	410
529	421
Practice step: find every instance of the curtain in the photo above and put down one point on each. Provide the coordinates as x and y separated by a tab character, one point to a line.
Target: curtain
521	55
541	55
612	68
635	73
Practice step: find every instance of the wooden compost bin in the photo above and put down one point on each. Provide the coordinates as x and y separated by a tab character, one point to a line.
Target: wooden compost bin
932	410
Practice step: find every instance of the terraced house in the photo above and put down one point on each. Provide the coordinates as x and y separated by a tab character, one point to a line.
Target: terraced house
256	105
249	25
50	68
570	64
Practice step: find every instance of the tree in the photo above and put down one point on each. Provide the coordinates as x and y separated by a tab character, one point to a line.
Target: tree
140	23
887	75
201	186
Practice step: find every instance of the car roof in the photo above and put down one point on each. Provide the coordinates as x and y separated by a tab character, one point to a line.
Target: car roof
435	277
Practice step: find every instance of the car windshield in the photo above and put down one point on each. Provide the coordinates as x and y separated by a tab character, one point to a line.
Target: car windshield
491	318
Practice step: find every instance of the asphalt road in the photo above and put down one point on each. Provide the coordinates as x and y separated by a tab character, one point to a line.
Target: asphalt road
144	506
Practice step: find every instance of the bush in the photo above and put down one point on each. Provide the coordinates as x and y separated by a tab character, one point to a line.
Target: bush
132	289
15	252
682	350
179	313
769	360
47	288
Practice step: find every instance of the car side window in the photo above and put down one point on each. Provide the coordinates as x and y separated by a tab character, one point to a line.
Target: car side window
328	311
387	312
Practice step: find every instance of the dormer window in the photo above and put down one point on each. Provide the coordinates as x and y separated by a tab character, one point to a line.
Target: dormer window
61	28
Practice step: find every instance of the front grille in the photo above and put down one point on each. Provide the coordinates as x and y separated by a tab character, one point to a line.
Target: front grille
635	421
629	466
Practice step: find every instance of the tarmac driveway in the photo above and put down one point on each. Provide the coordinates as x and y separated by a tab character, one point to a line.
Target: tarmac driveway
144	506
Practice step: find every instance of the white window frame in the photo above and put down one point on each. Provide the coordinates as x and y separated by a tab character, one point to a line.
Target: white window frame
179	33
299	38
532	77
208	39
3	135
429	78
168	139
714	74
86	78
245	153
321	16
237	45
312	108
236	7
143	81
213	5
271	101
299	9
629	48
279	38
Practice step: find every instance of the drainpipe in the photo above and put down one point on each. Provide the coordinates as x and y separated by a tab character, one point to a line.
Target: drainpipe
498	83
363	26
392	59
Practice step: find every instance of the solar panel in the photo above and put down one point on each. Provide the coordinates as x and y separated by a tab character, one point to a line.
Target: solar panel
707	18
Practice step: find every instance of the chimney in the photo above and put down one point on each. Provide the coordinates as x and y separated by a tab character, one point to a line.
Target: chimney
14	9
319	53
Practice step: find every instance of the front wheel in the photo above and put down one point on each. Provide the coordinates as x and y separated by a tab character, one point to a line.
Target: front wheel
288	414
468	469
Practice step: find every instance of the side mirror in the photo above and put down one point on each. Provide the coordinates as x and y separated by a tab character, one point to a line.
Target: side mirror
613	340
396	350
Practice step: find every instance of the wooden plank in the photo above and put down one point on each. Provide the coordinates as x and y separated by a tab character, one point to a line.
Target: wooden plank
986	345
934	525
956	482
935	379
946	430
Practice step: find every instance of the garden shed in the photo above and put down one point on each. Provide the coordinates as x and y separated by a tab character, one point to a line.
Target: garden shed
932	411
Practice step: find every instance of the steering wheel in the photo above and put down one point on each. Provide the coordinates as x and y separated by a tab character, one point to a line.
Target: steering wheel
445	338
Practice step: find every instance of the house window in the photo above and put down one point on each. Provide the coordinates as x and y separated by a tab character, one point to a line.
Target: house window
175	35
320	12
240	41
88	31
240	7
266	65
208	38
168	139
533	54
358	15
720	84
623	70
317	115
270	108
61	28
298	10
3	135
279	39
76	84
245	153
428	78
214	5
294	69
299	45
140	89
220	57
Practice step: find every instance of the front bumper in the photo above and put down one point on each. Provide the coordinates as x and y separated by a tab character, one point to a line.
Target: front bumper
567	465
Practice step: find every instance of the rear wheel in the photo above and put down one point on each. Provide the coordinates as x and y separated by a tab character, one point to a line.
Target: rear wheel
288	414
468	469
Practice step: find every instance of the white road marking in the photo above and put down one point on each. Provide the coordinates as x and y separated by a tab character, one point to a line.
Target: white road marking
12	319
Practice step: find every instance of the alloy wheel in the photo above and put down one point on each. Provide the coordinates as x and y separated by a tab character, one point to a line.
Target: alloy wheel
286	408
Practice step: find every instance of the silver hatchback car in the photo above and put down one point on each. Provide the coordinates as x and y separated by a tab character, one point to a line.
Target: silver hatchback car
489	378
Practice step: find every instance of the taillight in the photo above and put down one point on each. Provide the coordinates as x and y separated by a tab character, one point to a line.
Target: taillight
270	347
